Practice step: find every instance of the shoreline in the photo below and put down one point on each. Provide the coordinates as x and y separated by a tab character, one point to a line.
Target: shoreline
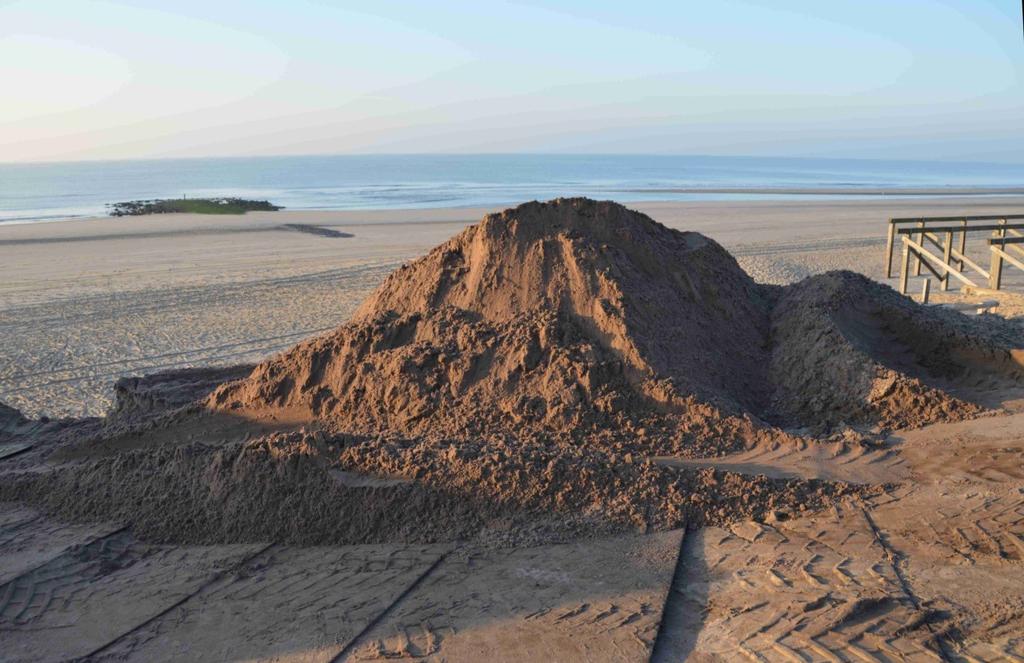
900	200
746	195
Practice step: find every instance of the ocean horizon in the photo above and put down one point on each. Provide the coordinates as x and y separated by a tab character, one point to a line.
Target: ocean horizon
34	192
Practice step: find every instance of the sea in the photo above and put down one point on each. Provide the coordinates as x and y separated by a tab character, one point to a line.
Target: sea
37	192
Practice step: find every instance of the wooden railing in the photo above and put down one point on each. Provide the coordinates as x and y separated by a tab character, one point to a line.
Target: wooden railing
948	235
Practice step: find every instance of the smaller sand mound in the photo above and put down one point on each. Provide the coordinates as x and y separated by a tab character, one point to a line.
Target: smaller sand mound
11	422
158	392
847	349
10	418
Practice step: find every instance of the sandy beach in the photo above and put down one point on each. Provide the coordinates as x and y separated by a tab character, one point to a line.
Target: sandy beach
564	433
84	302
512	332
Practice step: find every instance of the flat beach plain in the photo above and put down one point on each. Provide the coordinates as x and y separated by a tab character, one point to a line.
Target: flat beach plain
84	302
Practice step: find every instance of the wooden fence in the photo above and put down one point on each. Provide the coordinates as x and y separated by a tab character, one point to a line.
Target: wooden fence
948	236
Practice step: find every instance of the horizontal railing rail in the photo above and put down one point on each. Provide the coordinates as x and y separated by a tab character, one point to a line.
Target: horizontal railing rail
956	229
930	219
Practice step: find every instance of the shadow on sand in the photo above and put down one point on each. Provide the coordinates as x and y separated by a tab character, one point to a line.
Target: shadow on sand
687	602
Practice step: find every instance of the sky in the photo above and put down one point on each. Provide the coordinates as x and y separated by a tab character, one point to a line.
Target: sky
906	79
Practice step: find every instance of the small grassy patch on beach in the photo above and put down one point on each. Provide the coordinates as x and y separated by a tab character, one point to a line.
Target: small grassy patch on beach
191	206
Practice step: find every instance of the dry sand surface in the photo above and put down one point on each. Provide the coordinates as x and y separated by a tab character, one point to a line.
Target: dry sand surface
566	433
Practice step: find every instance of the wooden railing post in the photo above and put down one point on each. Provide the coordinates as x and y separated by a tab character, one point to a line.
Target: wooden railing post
995	270
947	253
963	244
888	248
920	241
904	267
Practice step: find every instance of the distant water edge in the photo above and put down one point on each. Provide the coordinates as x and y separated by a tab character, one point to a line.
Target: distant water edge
50	191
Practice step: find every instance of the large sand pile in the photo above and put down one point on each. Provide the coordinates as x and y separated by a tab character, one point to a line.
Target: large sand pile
571	318
521	377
